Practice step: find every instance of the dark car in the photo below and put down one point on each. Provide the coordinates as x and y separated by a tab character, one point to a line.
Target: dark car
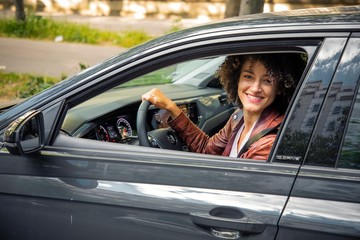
85	159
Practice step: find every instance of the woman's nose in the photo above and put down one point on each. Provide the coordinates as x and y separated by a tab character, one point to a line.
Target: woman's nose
256	86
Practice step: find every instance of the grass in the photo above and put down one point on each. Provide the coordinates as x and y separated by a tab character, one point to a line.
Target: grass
14	86
37	27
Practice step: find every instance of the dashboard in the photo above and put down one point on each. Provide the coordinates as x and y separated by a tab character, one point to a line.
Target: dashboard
111	117
159	117
122	128
117	129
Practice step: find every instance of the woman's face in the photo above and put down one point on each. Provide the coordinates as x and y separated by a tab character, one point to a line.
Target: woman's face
256	89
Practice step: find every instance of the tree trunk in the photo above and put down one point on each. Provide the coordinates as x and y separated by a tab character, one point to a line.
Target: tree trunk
20	10
251	6
232	8
242	7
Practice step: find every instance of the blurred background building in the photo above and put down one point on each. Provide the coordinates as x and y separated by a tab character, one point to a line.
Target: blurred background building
161	9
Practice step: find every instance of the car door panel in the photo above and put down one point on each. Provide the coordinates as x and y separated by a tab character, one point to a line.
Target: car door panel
133	193
325	200
334	212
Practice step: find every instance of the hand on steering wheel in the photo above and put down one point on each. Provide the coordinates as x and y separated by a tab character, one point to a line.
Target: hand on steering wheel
162	138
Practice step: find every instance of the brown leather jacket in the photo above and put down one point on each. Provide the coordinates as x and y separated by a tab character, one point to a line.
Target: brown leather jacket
221	142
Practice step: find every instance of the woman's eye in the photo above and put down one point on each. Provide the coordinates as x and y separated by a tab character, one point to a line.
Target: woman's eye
267	81
247	76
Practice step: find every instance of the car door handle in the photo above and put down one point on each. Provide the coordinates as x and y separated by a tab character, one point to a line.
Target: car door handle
227	218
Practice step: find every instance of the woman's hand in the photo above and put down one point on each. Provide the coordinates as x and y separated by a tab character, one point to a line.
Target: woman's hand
160	100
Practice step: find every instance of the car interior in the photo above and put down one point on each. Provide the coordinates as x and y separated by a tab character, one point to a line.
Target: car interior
112	115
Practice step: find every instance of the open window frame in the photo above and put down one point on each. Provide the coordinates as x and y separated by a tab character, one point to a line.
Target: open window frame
142	67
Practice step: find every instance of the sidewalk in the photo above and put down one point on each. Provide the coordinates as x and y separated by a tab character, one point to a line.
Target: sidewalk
50	58
154	27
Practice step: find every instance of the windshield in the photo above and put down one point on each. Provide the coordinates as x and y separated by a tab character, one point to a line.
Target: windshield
196	72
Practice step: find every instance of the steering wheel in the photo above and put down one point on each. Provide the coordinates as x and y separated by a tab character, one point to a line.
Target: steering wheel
160	138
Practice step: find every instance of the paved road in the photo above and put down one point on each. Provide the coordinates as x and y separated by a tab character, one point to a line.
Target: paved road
58	58
50	58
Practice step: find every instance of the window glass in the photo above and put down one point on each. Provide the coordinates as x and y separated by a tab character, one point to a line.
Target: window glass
316	107
306	108
160	76
191	72
331	124
350	152
337	109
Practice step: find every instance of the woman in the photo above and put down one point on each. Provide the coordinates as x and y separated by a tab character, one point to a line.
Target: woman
262	86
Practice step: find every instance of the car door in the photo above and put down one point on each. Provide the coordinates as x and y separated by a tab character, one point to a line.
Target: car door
79	188
325	200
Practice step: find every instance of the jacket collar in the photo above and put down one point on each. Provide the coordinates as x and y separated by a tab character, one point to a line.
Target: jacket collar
270	117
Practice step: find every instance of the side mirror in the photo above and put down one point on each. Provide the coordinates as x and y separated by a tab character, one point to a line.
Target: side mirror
25	134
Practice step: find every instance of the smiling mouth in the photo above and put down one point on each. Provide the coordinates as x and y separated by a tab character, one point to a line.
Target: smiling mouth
253	98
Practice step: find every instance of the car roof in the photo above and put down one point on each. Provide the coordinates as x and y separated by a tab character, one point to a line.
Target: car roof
310	16
306	12
317	18
345	18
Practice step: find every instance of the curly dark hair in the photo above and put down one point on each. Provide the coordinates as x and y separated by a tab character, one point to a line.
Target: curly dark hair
285	68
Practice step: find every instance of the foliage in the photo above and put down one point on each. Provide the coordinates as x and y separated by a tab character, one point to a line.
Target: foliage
14	85
294	143
350	158
36	27
82	66
35	84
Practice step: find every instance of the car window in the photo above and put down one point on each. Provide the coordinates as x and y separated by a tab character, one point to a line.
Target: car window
350	152
334	113
112	115
193	72
305	109
160	76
